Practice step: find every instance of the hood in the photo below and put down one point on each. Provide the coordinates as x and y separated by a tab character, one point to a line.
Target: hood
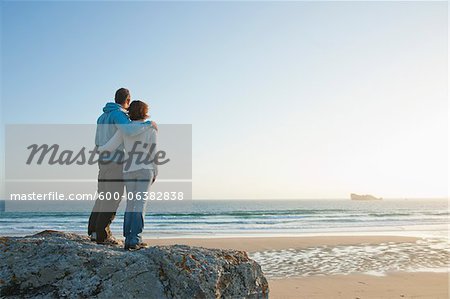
110	107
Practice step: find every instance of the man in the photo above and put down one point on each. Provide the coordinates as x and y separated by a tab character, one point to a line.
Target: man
110	175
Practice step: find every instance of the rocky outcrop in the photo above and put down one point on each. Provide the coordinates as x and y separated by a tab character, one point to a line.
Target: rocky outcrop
354	196
54	264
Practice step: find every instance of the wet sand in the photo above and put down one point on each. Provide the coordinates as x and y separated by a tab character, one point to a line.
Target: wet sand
393	285
253	244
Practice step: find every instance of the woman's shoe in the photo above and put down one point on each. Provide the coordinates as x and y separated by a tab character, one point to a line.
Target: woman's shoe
142	244
136	246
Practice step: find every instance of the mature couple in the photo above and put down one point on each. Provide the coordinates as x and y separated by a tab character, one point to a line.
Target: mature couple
123	138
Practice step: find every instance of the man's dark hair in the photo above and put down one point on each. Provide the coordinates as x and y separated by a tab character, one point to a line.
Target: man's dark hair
121	95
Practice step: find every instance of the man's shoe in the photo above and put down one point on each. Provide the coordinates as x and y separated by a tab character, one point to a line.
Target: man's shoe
111	241
93	237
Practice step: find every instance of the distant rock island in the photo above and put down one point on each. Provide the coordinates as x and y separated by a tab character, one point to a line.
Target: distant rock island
354	196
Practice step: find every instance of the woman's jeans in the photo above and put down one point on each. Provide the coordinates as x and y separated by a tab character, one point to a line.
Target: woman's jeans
138	184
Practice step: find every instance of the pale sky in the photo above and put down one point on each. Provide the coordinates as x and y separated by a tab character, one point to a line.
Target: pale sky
287	100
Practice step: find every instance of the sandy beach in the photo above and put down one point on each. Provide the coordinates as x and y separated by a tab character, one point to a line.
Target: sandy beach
253	244
392	285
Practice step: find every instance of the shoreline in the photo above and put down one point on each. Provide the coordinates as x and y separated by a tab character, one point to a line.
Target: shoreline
401	284
440	230
262	243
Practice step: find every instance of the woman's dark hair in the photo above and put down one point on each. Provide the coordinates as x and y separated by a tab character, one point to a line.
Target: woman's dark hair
138	110
121	95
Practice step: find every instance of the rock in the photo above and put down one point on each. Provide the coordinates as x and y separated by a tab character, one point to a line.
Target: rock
354	196
54	264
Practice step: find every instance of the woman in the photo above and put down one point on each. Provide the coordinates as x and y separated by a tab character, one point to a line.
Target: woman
140	172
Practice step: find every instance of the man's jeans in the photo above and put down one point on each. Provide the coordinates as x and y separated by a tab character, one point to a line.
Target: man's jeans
137	185
110	185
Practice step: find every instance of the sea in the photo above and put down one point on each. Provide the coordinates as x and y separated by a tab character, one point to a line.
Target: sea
427	219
